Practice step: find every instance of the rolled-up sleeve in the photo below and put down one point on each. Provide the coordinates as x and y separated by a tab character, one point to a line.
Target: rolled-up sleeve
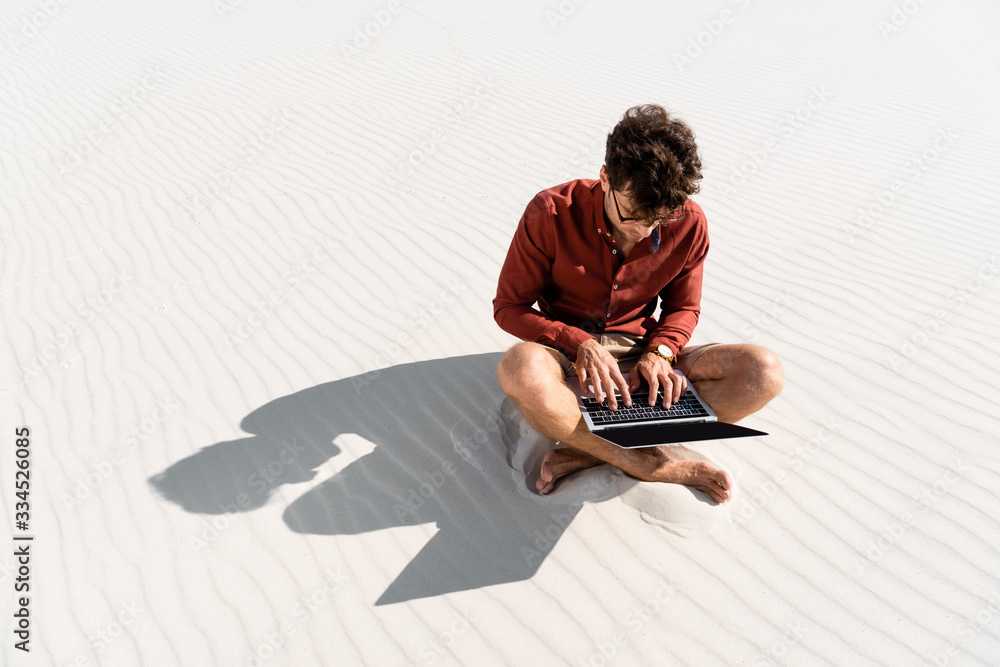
523	278
680	300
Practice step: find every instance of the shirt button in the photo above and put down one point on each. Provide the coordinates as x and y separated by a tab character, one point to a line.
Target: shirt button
616	286
614	252
609	314
598	231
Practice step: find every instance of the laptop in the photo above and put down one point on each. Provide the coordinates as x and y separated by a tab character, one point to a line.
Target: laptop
690	419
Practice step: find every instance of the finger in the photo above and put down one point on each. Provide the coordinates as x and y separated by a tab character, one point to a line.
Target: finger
668	389
610	388
619	379
678	388
654	386
582	374
595	380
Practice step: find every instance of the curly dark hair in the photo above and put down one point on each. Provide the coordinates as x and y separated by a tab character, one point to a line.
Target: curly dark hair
653	158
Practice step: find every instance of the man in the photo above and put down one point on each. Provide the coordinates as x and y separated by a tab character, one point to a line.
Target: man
598	256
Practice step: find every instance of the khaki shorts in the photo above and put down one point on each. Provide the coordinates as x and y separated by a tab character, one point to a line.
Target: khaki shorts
627	350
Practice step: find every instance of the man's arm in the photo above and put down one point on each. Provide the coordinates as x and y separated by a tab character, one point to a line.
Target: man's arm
680	301
680	305
522	279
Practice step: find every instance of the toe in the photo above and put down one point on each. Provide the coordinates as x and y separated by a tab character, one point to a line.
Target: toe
545	473
714	494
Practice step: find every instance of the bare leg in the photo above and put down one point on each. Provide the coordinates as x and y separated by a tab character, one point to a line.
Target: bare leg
736	380
534	380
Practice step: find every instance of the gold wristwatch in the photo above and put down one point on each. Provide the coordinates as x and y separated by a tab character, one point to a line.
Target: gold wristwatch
663	351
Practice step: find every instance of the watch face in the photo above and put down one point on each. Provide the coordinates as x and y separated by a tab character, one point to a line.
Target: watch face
665	351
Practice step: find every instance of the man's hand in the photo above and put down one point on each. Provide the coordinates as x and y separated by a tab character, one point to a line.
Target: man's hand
658	372
596	366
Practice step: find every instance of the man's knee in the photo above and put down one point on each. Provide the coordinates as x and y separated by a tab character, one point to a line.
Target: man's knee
767	370
524	367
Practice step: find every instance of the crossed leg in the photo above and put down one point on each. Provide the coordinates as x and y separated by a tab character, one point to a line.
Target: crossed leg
736	380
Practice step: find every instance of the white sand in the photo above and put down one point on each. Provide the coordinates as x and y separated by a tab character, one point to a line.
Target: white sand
325	313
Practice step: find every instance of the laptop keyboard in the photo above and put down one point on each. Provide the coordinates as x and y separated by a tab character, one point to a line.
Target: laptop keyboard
640	411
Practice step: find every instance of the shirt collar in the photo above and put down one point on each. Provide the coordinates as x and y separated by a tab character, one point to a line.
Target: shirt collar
603	226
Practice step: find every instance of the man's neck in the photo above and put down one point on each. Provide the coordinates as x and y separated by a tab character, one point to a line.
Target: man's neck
624	245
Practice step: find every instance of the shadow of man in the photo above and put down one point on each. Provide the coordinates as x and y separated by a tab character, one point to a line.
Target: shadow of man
439	458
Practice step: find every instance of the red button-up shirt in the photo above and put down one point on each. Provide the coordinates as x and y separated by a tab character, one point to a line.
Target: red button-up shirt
565	257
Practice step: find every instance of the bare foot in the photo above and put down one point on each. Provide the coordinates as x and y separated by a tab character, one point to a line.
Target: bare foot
701	475
561	462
